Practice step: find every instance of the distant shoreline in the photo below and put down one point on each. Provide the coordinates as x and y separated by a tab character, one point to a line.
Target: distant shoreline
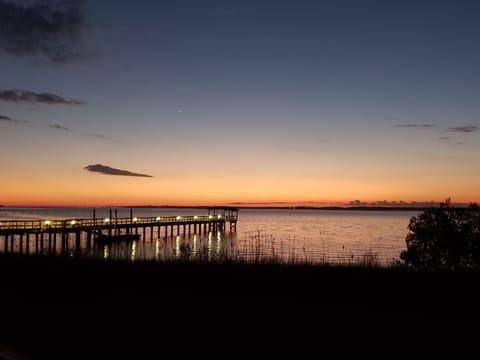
293	208
357	208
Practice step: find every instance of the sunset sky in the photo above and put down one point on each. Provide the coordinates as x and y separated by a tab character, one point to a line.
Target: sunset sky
237	102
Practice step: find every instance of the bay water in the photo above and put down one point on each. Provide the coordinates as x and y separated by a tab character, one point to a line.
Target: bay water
369	237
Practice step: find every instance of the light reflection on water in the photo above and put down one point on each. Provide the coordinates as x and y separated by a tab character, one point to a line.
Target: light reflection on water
181	247
320	236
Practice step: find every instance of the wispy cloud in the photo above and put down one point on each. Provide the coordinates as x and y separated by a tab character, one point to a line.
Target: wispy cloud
7	119
464	129
107	170
445	138
416	126
42	27
99	136
32	97
58	127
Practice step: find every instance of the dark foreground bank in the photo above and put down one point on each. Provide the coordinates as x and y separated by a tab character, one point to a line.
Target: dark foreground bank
55	307
50	279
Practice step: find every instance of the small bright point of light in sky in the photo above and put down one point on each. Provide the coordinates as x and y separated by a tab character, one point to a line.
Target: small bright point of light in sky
239	102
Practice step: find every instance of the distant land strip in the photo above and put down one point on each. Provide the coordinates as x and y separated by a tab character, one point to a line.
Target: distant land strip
372	208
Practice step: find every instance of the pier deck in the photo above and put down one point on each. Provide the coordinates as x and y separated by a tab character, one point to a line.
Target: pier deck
23	231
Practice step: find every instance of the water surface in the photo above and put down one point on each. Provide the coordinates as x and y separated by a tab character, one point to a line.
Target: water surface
318	236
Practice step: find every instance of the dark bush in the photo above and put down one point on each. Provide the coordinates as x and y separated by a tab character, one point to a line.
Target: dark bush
444	238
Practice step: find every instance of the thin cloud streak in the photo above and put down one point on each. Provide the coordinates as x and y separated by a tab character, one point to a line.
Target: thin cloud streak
107	170
49	28
464	129
416	126
58	127
15	95
7	119
99	136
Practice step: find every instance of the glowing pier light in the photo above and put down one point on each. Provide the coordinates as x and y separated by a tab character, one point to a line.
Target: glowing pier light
135	219
158	218
47	222
210	216
219	216
106	220
73	222
195	217
179	217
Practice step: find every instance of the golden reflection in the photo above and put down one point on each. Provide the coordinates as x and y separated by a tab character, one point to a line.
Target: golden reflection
194	251
157	249
134	251
105	252
209	245
177	246
219	240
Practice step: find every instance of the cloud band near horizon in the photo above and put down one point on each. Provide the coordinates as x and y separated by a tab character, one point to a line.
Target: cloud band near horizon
107	170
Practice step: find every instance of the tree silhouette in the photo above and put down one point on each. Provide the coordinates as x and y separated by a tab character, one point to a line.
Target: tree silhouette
444	238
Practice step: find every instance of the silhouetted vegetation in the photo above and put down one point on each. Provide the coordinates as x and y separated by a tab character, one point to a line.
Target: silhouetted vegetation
444	238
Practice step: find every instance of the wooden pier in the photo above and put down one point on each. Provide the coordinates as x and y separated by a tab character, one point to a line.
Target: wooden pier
33	236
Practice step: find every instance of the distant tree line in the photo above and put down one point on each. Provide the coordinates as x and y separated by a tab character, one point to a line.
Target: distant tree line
444	238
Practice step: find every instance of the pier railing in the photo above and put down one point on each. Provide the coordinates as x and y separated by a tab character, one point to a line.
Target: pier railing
105	223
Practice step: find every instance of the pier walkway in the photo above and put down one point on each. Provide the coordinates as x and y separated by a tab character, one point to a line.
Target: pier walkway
43	233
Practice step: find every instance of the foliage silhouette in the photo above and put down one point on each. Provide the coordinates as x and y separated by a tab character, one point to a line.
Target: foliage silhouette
444	238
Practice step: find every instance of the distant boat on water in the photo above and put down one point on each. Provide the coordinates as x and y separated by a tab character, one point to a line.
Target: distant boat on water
107	239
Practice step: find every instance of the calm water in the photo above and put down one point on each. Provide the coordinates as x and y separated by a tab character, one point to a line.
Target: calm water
319	236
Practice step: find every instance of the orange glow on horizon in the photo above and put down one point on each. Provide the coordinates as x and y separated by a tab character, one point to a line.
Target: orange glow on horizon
94	191
47	186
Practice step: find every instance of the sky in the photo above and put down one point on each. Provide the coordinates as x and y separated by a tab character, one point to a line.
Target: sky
199	102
